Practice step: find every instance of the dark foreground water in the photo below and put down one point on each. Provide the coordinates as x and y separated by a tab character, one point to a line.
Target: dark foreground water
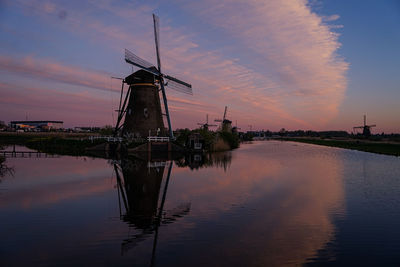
265	204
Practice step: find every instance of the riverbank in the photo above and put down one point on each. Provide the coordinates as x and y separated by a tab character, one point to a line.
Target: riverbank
73	144
79	144
386	148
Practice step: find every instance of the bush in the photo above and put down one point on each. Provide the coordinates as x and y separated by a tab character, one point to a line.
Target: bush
107	130
230	138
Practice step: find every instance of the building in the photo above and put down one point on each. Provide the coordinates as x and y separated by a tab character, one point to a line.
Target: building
43	125
195	141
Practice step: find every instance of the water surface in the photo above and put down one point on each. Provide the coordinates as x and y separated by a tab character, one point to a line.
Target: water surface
264	204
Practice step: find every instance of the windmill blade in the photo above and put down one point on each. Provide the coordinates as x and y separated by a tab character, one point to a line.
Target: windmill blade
176	213
157	39
374	125
133	59
178	85
225	112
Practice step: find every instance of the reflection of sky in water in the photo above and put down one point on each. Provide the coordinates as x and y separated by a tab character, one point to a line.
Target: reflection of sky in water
277	203
274	205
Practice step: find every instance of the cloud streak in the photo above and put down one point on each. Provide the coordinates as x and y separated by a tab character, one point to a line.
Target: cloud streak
288	72
294	42
54	71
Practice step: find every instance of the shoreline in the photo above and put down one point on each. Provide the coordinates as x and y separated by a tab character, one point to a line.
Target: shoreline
385	148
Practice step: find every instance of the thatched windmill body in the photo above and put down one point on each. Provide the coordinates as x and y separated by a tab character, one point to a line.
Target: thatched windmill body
141	108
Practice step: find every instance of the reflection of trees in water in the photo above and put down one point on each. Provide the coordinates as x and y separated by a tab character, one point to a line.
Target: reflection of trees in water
4	169
142	201
197	161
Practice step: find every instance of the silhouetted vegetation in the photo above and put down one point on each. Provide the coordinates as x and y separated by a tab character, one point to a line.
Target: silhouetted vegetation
4	169
182	136
249	136
212	141
231	139
107	130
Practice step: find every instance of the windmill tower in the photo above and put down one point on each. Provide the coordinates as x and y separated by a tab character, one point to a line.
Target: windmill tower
141	108
226	125
206	125
366	128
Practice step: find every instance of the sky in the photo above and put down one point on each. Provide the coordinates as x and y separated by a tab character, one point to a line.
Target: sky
295	64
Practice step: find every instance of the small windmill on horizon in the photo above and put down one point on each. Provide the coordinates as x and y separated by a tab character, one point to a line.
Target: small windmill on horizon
206	125
366	128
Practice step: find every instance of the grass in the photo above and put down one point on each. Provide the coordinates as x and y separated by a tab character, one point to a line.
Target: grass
53	143
361	145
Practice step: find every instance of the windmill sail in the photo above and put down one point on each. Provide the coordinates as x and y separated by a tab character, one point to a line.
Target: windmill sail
178	85
157	39
139	62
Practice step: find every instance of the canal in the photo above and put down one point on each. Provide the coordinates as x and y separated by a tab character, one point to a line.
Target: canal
265	204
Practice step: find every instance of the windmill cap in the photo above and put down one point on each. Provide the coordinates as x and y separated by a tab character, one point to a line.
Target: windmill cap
140	76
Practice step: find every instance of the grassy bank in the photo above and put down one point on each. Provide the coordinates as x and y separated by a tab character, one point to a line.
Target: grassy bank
11	138
361	145
62	146
53	143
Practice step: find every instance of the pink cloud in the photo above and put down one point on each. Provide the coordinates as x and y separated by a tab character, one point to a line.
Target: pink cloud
53	71
301	82
293	41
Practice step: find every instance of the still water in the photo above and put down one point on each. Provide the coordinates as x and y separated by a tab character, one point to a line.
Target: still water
264	204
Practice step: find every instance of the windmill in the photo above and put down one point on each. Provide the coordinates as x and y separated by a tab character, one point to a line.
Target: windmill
141	106
366	128
226	125
206	125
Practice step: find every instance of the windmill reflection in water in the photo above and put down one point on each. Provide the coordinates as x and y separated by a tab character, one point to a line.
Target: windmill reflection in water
139	184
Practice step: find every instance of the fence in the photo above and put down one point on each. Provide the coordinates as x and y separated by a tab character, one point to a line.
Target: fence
158	139
107	138
120	139
27	154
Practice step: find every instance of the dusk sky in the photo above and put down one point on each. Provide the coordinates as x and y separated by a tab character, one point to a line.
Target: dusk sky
292	64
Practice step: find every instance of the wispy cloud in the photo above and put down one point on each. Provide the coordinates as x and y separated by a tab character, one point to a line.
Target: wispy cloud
292	41
54	71
294	77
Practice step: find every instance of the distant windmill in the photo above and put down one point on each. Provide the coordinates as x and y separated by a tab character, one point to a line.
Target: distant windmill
226	125
366	128
142	106
206	125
